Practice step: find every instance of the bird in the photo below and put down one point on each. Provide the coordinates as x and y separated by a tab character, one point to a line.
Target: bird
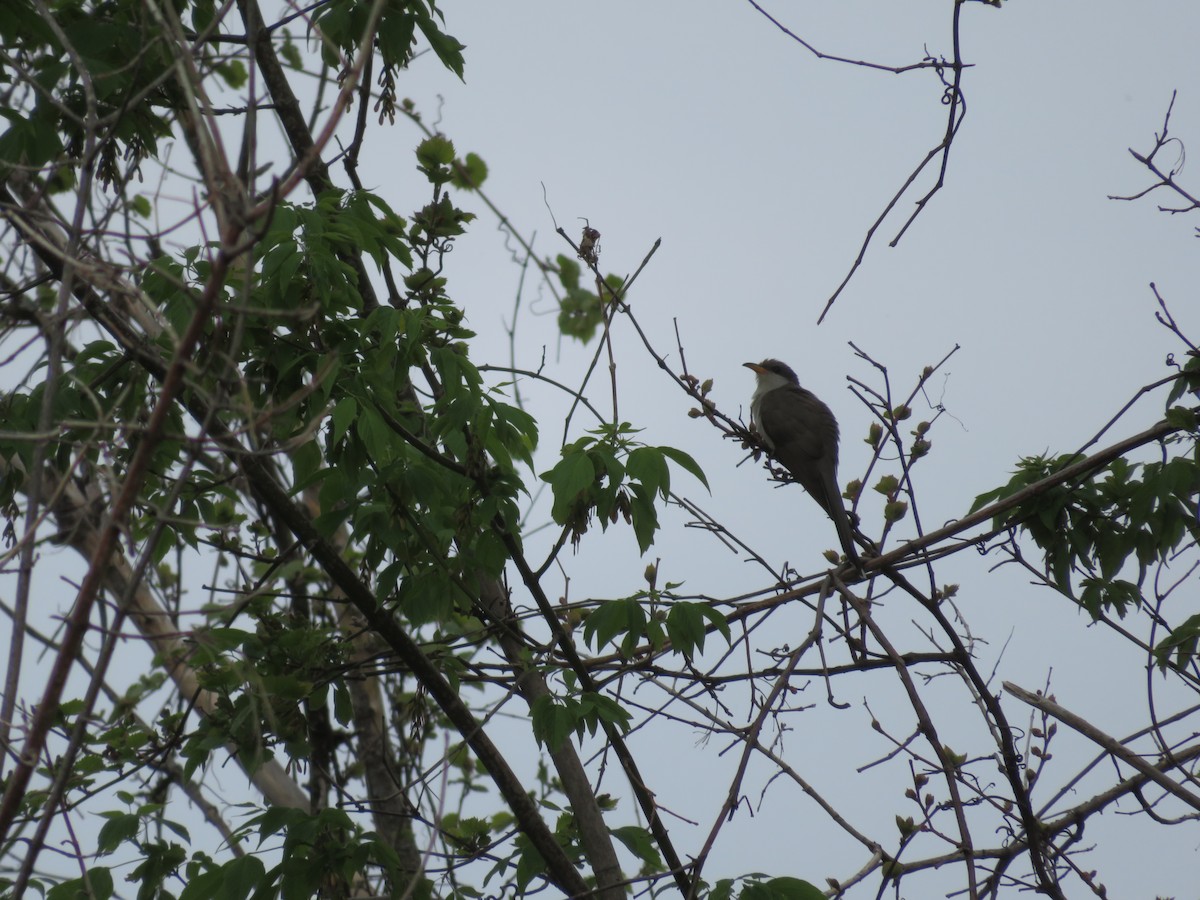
802	434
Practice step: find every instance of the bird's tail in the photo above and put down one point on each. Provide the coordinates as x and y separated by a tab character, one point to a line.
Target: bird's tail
841	521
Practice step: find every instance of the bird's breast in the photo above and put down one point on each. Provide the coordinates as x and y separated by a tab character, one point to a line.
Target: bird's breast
756	417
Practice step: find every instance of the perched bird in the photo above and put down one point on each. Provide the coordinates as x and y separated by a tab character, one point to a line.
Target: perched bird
802	434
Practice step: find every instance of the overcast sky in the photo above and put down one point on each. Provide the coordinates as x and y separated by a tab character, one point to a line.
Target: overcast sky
761	168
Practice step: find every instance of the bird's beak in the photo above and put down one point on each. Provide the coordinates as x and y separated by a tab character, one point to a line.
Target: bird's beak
755	368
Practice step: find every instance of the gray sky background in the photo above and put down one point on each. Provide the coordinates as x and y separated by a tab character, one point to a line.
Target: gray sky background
761	168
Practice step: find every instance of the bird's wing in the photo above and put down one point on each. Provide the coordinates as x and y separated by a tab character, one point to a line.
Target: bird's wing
797	418
805	437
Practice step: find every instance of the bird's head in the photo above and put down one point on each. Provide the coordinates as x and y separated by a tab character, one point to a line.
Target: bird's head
772	374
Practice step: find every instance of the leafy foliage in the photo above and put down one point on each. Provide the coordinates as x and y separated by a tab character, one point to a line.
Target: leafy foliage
306	420
581	311
244	392
607	473
1128	516
1101	535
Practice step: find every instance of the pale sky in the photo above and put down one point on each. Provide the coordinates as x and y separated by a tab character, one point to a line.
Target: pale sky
760	168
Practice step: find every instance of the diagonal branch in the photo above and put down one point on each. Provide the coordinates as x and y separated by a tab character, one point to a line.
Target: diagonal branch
1118	750
106	545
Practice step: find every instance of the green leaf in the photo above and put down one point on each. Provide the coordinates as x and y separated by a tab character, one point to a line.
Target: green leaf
341	418
343	708
100	883
178	829
34	141
1179	648
648	465
616	617
233	73
448	49
656	635
1182	418
580	313
640	843
119	828
470	173
574	474
1189	379
242	876
597	708
687	626
275	819
97	886
435	151
204	885
568	272
290	52
887	485
394	38
780	889
644	516
529	864
986	499
686	462
608	465
517	429
552	721
376	435
337	496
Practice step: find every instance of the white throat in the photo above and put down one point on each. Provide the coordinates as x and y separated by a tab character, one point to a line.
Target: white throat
767	382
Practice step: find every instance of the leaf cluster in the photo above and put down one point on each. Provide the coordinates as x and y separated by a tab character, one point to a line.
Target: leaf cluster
607	473
1128	516
581	311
